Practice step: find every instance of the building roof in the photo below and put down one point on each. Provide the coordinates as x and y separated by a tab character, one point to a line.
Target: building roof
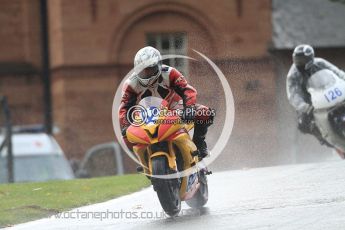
320	23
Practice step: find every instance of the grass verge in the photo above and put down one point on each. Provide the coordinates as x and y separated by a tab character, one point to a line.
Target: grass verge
24	202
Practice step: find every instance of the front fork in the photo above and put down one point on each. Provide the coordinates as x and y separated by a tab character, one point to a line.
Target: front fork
188	152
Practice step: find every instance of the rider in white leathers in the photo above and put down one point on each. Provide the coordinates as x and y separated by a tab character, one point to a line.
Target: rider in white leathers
305	65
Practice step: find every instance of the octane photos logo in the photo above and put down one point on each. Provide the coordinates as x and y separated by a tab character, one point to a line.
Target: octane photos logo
138	115
221	140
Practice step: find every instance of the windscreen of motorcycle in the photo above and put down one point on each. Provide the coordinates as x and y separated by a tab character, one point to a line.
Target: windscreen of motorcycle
151	107
326	89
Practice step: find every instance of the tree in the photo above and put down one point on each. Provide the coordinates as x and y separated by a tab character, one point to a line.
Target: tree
340	1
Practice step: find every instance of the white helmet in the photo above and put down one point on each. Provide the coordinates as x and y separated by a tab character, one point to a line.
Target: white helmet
148	65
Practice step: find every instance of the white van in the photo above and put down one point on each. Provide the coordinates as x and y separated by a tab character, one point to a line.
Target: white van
36	157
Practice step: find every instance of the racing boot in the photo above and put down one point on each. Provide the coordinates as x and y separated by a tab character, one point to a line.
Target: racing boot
316	132
200	131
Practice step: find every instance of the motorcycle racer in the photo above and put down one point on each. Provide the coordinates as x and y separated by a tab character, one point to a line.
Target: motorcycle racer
305	64
152	78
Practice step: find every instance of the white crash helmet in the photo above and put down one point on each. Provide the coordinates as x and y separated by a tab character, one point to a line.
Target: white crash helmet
148	65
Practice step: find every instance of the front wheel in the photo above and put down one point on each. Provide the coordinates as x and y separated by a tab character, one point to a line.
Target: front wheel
167	189
200	198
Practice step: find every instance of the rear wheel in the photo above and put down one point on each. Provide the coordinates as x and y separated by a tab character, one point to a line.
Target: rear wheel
200	198
167	189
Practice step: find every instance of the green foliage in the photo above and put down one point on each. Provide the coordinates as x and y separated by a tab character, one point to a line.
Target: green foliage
339	1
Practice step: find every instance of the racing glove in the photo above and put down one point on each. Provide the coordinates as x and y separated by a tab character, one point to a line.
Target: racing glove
306	120
123	131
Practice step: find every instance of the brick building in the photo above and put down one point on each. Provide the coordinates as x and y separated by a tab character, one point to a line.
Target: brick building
92	44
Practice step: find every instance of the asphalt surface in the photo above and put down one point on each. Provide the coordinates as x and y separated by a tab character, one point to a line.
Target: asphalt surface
308	196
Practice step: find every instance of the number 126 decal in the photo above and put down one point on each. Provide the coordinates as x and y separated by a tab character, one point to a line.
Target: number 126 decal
333	94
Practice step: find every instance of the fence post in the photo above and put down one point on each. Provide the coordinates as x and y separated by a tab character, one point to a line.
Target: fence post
8	139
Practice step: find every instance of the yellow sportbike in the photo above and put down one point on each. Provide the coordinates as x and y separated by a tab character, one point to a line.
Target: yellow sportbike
168	155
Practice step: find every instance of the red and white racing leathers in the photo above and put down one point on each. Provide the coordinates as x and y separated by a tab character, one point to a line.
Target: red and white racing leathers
171	86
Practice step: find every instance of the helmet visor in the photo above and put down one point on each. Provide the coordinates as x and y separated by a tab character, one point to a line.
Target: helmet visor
301	61
149	72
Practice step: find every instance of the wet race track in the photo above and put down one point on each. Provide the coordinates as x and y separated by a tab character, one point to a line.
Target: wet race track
308	196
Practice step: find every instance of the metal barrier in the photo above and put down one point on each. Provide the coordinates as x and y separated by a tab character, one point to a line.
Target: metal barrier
94	150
